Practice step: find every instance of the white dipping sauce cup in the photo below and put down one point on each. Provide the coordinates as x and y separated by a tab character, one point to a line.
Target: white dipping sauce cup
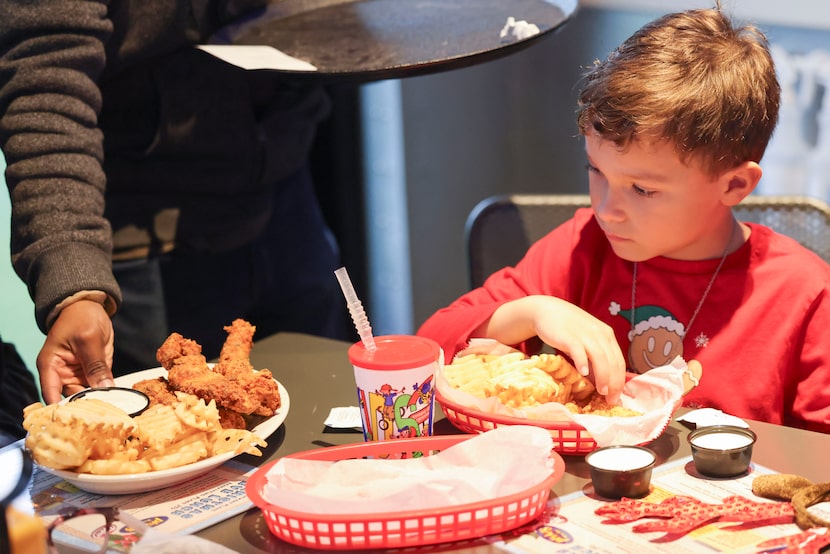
621	471
130	400
722	450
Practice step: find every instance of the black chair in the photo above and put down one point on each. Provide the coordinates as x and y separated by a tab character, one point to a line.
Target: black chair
500	229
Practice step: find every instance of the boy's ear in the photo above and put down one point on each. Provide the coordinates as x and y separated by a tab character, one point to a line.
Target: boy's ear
739	182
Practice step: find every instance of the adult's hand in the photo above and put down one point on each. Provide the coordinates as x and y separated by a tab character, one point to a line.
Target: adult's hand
77	352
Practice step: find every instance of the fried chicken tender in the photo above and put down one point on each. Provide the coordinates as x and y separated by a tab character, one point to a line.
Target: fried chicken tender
236	351
189	372
175	348
261	385
232	383
235	365
229	419
157	390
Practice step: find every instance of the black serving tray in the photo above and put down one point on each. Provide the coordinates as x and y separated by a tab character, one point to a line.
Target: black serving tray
366	40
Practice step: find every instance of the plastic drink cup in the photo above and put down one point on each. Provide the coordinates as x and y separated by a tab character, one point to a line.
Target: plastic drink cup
395	385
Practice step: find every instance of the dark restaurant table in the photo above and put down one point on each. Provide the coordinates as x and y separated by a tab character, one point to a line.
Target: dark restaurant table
318	377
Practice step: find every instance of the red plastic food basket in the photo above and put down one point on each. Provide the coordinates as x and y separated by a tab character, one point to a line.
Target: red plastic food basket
399	529
568	437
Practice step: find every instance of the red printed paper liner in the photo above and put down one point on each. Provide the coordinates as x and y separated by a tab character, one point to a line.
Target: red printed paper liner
399	529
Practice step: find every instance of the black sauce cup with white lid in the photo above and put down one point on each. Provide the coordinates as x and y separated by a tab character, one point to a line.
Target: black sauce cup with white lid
722	450
621	471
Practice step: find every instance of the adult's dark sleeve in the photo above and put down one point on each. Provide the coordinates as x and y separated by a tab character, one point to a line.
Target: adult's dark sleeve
51	55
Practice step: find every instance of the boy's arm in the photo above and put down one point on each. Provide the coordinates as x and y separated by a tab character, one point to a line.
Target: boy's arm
589	342
517	305
453	327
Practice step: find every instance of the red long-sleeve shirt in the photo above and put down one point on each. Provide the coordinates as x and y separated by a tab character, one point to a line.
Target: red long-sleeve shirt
761	333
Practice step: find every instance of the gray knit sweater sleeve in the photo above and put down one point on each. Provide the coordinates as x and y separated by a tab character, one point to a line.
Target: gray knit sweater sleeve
51	55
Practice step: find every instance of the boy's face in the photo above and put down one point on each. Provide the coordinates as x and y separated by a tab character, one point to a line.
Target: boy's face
650	204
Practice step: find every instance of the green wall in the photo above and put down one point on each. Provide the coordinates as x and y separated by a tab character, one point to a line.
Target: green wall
17	319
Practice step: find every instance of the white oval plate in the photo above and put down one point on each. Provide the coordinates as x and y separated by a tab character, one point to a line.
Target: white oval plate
152	480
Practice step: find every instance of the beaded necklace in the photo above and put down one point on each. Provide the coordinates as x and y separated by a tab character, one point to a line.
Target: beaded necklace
702	298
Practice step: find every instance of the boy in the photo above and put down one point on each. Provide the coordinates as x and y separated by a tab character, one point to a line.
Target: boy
675	122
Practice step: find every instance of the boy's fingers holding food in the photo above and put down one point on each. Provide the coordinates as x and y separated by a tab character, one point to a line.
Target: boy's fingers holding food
608	368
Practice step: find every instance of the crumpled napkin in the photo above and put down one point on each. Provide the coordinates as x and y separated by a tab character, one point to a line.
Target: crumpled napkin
656	394
498	463
706	417
154	541
518	29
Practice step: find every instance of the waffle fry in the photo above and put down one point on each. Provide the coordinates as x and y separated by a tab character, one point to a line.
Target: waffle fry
159	426
510	362
37	415
114	467
190	448
524	386
521	381
193	412
58	447
469	373
117	445
238	441
65	436
92	413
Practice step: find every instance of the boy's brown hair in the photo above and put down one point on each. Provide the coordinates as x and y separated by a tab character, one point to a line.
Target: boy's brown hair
690	78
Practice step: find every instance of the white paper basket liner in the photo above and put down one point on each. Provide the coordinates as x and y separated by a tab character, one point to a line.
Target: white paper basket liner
656	394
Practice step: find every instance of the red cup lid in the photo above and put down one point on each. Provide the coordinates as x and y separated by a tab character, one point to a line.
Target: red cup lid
395	352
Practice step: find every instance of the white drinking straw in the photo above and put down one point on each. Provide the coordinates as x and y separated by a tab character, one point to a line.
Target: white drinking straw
361	322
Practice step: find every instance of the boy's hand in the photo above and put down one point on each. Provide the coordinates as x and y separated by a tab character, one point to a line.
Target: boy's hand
589	342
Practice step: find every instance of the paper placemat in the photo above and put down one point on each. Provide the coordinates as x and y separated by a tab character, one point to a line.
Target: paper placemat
574	527
177	510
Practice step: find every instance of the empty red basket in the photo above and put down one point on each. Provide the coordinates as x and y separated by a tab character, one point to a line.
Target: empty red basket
399	529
